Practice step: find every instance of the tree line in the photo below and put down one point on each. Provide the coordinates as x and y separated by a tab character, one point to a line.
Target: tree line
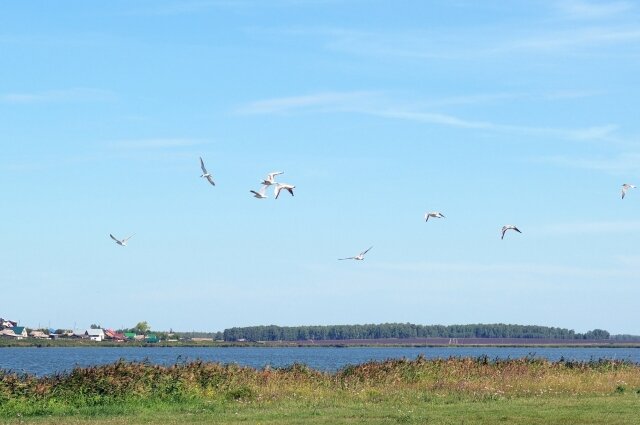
403	330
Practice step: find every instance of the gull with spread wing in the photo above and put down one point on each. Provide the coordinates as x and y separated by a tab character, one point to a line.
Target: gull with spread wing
434	214
286	186
271	178
121	242
509	227
205	173
261	194
358	257
626	187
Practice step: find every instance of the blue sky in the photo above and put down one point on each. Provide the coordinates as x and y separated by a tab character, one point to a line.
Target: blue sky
377	111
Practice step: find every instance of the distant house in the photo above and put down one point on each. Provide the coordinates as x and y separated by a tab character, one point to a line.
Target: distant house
20	332
151	338
38	335
130	335
111	334
95	334
5	323
7	333
79	334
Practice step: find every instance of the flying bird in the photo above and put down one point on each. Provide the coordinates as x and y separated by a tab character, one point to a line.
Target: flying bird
434	214
358	257
271	178
260	194
205	173
626	187
286	186
121	242
509	227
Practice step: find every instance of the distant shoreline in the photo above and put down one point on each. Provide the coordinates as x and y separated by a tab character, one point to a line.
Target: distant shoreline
380	343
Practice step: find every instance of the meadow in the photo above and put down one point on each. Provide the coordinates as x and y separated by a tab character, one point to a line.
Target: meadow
443	391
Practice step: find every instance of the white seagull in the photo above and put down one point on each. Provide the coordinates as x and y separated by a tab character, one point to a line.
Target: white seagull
434	214
271	178
122	242
205	173
286	186
509	227
358	257
260	194
626	187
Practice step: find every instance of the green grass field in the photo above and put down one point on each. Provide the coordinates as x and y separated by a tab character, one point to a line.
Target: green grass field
453	391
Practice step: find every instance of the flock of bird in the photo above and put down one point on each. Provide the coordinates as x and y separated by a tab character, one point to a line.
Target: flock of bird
270	180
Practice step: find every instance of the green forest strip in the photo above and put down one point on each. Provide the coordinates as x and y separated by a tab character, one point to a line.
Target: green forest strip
405	331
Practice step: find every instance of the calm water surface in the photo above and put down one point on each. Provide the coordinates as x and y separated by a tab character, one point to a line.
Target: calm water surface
43	361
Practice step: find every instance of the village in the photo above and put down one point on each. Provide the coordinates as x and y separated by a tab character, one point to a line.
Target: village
9	329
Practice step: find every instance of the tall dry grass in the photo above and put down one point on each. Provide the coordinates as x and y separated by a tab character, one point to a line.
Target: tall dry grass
128	383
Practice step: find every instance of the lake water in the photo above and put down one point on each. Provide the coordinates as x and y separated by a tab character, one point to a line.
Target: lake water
43	361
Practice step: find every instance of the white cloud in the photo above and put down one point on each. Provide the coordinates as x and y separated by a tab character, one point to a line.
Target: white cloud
580	9
513	268
590	227
561	41
159	143
623	163
373	103
473	43
327	100
59	96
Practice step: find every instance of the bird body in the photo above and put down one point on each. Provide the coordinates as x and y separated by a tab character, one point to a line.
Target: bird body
271	178
121	242
261	194
205	173
626	187
509	227
285	186
434	214
358	257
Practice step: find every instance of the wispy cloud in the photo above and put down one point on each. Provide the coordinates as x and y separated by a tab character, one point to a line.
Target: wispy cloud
154	144
622	163
323	101
580	9
374	103
473	43
512	268
590	227
59	96
560	41
198	6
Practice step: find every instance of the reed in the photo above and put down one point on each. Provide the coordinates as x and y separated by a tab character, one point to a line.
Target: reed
125	387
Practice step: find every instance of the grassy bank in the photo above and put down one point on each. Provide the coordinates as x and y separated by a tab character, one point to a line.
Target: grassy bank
524	391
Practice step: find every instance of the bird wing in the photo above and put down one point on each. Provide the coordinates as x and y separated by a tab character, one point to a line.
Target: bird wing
263	190
254	192
204	170
210	180
517	230
126	239
362	253
348	258
271	176
113	237
624	190
504	230
276	190
290	190
426	217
